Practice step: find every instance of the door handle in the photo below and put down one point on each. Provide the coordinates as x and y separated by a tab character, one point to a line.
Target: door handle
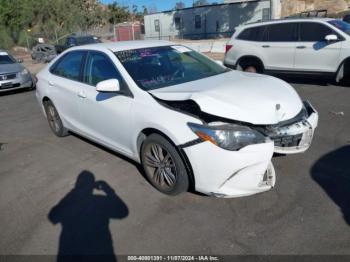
81	94
265	46
301	47
51	83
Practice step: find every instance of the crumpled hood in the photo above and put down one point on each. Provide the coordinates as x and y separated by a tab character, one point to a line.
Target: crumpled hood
10	68
246	97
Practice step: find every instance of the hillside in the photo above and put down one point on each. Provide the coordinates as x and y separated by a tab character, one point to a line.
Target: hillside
290	7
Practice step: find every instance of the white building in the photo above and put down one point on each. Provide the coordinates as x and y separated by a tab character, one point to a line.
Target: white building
209	21
235	1
275	6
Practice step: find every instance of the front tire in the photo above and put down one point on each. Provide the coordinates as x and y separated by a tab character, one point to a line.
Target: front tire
54	120
163	166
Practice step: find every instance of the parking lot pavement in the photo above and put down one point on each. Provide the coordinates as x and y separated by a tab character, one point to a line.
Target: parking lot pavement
41	196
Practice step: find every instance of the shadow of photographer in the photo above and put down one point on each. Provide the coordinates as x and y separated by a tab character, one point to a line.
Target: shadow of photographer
84	217
332	173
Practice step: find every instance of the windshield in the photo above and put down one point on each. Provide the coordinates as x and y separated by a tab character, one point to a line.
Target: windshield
158	67
5	58
341	25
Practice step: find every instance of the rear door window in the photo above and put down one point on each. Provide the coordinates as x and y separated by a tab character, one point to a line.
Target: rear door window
314	32
253	34
284	32
69	66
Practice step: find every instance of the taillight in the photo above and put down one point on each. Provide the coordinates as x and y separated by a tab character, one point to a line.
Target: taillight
228	47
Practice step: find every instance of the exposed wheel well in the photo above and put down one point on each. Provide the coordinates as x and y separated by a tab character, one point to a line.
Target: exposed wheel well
346	60
148	131
345	67
45	99
247	61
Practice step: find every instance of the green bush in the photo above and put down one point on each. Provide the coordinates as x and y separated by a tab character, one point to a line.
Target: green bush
22	39
6	41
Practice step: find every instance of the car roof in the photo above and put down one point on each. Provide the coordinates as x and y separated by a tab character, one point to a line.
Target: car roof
123	45
286	20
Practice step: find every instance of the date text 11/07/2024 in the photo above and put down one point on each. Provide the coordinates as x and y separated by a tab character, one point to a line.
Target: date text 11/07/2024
173	258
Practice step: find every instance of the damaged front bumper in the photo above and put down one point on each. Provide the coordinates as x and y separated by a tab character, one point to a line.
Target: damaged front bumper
239	173
296	135
249	170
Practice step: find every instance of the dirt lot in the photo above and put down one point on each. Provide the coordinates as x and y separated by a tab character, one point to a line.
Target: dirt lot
308	212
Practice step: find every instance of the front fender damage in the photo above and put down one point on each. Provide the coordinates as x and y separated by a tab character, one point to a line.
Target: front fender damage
290	136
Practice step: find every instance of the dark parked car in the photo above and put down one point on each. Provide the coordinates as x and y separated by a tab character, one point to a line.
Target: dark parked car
75	40
346	18
43	53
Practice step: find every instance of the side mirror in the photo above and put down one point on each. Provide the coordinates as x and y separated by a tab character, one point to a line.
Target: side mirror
331	38
108	86
20	60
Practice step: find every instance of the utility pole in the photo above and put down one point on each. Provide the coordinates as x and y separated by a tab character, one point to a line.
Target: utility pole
114	29
26	33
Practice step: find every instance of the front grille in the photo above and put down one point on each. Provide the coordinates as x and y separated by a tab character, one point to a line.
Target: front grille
7	77
287	141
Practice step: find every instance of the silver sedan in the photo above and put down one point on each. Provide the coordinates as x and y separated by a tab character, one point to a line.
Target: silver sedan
13	75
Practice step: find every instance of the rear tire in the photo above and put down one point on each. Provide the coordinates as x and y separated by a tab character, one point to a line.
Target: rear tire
251	69
163	166
343	75
251	65
54	120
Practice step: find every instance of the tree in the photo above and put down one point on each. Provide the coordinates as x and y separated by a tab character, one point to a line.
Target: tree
152	8
145	10
179	5
22	20
117	14
90	14
134	12
200	2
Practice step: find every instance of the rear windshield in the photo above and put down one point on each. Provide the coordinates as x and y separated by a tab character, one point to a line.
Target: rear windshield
341	25
157	67
5	58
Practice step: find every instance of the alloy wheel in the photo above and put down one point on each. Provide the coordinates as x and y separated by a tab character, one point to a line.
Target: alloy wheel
53	118
160	166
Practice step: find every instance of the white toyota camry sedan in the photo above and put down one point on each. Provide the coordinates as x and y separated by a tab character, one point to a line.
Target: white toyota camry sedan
191	122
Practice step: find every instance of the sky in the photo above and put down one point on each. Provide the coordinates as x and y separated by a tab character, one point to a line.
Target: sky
161	5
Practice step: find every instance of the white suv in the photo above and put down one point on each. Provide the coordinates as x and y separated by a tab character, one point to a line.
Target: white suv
305	46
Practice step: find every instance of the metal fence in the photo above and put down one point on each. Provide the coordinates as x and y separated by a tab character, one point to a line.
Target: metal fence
199	36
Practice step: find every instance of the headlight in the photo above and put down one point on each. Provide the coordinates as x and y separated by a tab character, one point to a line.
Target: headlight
24	72
228	136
